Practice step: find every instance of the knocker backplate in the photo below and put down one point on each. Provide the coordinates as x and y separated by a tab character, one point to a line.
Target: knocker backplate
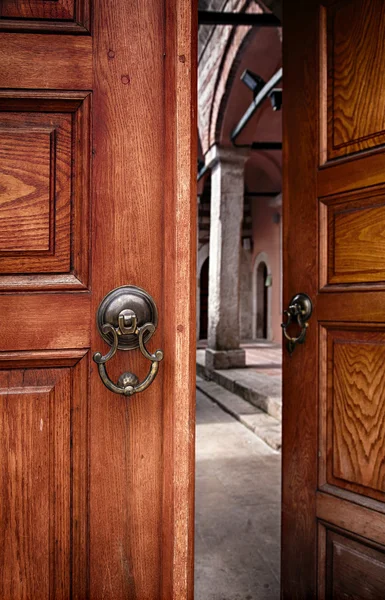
126	297
306	305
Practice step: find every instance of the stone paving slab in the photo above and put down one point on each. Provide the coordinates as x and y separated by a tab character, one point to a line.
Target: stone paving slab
262	387
237	547
263	425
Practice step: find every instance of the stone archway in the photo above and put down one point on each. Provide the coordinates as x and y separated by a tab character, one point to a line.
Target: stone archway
261	322
204	297
203	255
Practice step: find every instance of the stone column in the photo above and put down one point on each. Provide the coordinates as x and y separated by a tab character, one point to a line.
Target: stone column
226	214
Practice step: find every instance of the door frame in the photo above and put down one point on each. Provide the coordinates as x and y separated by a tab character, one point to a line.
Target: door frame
299	227
179	301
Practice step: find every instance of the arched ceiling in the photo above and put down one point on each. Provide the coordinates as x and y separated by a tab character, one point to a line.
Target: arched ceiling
274	5
223	98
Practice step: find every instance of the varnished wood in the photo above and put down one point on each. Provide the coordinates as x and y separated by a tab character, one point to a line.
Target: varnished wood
46	190
38	9
60	62
329	433
41	358
45	337
342	177
36	175
145	480
80	473
300	161
354	84
27	193
355	417
127	205
38	424
180	242
350	306
348	516
130	93
352	229
354	568
63	16
55	321
333	419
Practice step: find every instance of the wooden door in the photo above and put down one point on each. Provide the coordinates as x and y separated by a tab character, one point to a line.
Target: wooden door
333	529
97	164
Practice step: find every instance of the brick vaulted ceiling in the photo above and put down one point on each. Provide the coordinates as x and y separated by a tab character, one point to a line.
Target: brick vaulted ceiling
274	5
224	52
222	98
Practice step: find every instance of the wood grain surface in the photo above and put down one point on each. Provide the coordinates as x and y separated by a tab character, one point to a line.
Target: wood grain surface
60	16
36	202
145	480
60	62
116	193
346	515
55	321
45	190
352	235
357	451
126	480
27	197
38	488
333	405
38	9
356	105
179	271
300	160
354	569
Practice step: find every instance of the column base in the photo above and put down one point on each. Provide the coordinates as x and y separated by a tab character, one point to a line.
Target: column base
225	359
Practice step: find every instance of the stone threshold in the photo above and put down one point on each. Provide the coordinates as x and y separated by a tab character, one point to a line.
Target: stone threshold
266	427
262	391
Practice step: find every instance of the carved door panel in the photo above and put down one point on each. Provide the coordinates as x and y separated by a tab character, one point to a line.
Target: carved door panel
334	400
96	161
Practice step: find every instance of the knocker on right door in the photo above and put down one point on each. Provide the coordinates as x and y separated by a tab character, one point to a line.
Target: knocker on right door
299	311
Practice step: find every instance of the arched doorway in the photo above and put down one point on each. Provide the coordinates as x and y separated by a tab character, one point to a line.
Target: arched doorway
261	298
204	300
261	316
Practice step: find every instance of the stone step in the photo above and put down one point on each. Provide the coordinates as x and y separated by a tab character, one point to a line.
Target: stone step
263	425
259	389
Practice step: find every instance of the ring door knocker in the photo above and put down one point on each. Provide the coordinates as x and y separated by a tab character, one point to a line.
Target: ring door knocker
300	309
127	318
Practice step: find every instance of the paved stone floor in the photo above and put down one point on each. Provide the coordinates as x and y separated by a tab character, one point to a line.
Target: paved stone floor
260	382
237	510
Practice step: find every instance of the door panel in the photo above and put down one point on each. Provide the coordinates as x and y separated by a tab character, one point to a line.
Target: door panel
352	418
98	165
71	16
334	416
44	482
38	9
351	231
62	62
44	151
355	63
351	567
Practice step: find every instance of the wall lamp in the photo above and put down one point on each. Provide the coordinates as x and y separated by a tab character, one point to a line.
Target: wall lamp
253	81
276	98
256	83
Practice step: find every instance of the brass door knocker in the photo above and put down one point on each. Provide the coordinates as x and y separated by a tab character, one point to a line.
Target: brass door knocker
127	318
300	309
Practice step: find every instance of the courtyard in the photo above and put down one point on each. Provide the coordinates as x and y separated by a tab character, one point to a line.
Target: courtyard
237	544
